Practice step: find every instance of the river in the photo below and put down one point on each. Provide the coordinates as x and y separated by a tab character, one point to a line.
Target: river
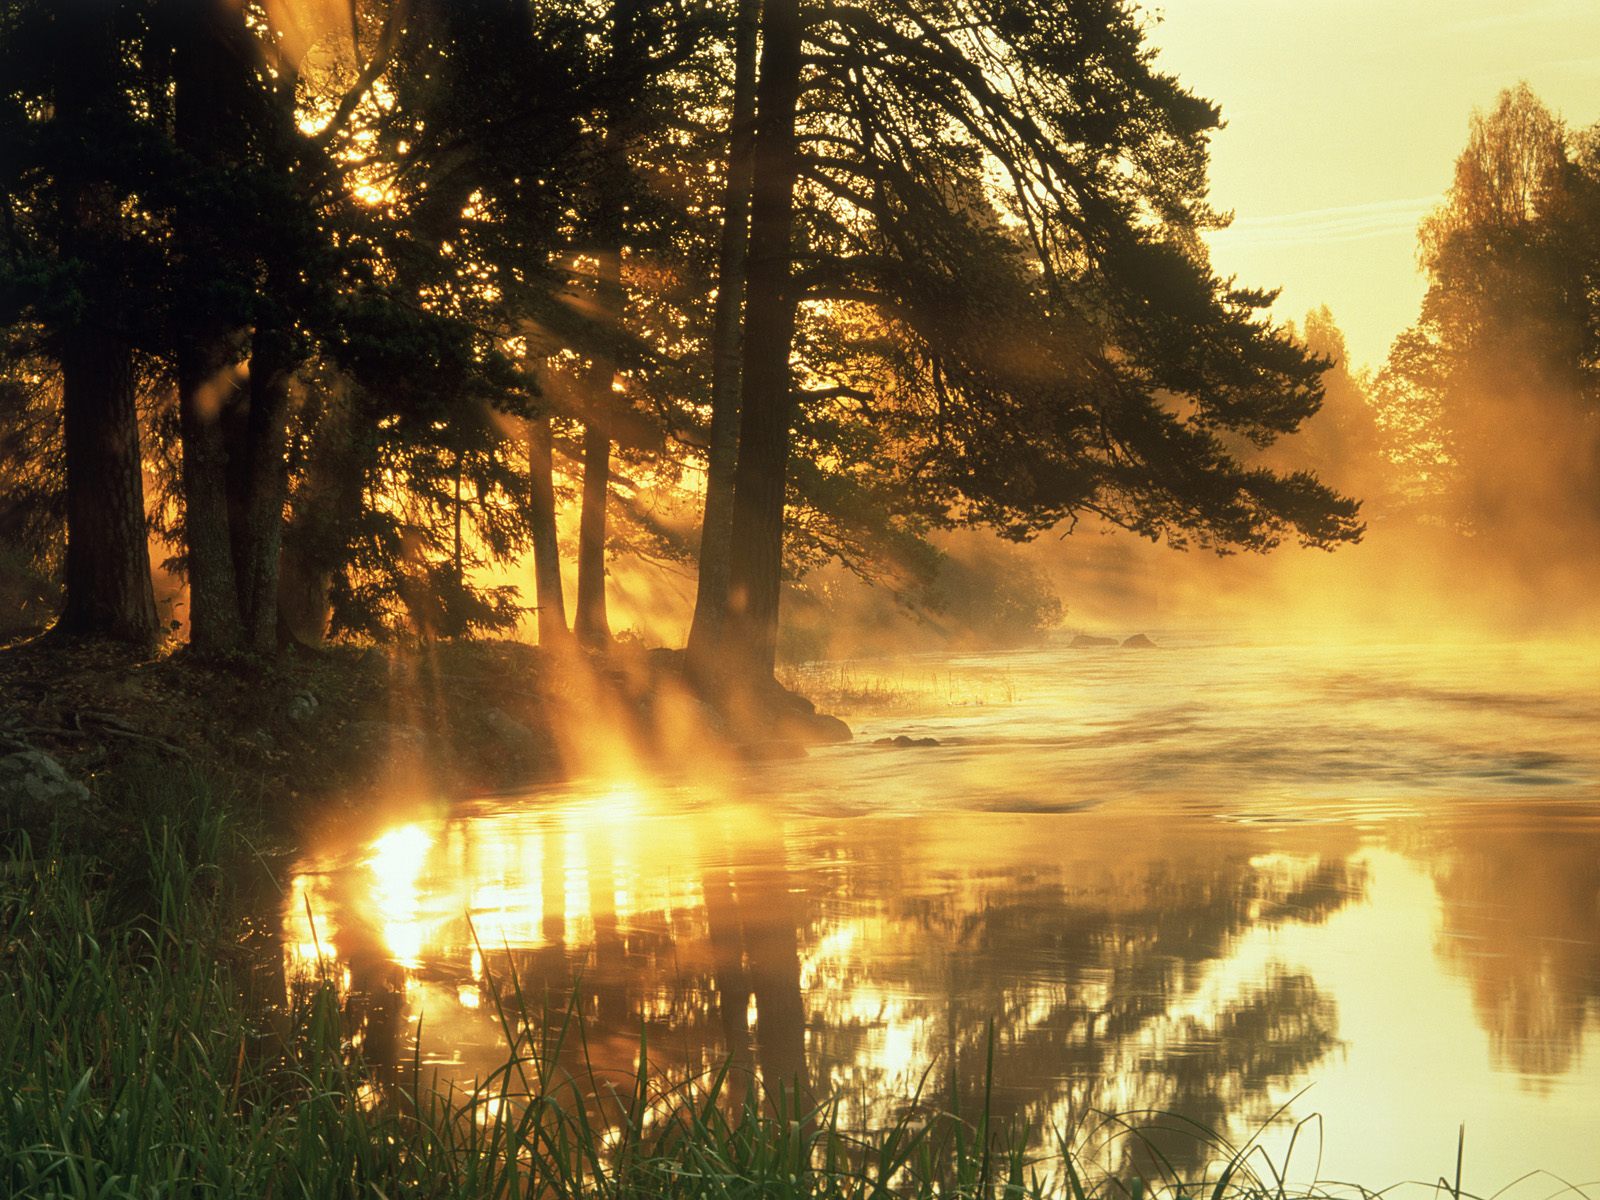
1236	883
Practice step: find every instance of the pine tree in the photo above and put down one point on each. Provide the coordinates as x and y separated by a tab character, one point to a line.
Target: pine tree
1054	342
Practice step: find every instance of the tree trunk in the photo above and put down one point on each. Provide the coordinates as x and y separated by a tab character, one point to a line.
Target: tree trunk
750	638
589	622
108	557
204	386
716	533
552	608
108	590
326	513
604	222
273	359
267	485
206	119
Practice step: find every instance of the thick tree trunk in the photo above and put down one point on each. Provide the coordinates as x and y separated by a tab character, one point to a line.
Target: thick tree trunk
108	590
716	532
108	557
750	637
552	608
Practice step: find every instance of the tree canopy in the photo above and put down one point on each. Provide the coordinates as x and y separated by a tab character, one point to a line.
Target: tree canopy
349	301
1501	373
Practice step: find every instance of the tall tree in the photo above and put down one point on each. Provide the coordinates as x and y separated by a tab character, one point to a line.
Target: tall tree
716	532
589	622
258	468
211	61
750	633
604	231
68	264
1015	195
1502	369
552	611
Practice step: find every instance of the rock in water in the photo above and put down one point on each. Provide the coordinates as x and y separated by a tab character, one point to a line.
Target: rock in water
1085	640
1138	642
822	729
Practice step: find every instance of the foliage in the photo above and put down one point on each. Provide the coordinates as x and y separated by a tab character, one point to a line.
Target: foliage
1006	203
1497	386
1007	319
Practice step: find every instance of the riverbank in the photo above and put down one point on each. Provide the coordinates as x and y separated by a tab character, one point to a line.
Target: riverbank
307	733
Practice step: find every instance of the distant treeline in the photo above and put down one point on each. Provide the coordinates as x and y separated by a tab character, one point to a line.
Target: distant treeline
1483	423
1493	396
341	305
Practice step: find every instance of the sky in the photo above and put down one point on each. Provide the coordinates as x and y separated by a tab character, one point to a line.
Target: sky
1344	119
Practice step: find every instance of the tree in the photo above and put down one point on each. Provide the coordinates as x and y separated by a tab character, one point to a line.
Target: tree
603	229
1499	373
755	565
67	271
212	61
1342	444
1016	195
733	246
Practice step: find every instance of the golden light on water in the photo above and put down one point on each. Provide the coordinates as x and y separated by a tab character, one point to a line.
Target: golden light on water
396	864
1155	908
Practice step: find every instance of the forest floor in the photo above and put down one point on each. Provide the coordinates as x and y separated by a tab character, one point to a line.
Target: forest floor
307	729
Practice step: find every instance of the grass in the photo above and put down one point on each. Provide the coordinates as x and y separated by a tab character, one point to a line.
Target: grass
147	1051
855	688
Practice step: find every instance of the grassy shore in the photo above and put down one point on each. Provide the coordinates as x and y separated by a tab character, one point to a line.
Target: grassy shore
150	1046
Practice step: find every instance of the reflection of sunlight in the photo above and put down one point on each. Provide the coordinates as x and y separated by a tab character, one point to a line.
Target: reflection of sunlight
575	899
508	914
833	945
306	937
616	808
396	864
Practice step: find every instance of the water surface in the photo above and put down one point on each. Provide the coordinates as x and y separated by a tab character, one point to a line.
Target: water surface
1231	882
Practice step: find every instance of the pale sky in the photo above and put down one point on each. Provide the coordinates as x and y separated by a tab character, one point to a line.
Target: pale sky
1344	119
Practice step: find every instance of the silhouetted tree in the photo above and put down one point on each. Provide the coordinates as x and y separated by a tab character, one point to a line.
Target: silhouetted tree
70	272
1058	345
733	246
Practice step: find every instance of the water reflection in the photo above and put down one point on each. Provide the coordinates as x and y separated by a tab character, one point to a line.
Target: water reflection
863	958
1520	889
1191	882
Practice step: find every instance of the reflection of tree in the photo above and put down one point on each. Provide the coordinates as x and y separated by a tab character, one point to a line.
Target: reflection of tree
1264	1041
1520	904
875	961
1082	987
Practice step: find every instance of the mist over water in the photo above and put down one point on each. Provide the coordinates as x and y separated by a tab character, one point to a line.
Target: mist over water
1215	878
